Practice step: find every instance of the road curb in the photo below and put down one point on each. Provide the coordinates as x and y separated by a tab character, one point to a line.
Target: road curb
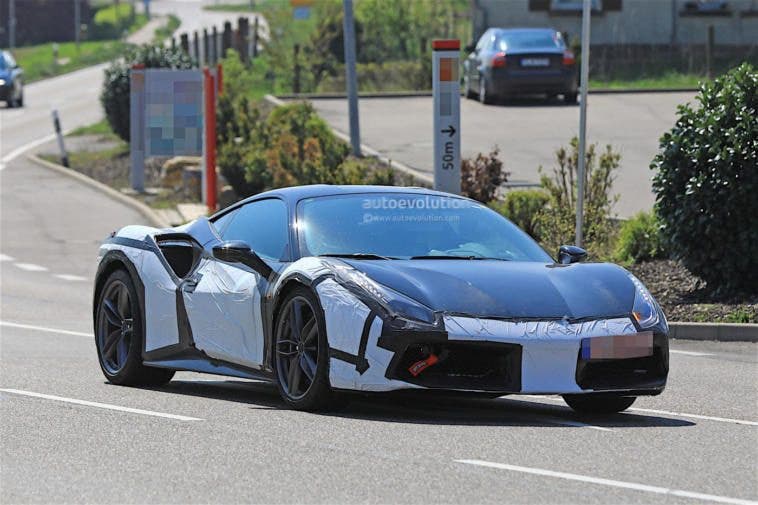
145	210
428	93
722	332
419	176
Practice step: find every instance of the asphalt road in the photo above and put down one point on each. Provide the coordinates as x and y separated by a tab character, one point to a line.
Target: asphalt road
528	132
68	436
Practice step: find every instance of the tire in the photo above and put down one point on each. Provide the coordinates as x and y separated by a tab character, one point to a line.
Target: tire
119	335
467	87
20	101
570	98
301	359
484	97
599	403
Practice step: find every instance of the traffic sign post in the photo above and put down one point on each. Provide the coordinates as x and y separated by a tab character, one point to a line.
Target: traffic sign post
447	115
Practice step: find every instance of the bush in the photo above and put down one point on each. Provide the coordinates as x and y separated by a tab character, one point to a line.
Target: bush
640	239
706	183
557	222
110	22
115	94
482	176
523	207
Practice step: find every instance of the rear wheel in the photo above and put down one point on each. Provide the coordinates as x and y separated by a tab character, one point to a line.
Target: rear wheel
570	98
302	353
484	97
119	327
599	403
467	87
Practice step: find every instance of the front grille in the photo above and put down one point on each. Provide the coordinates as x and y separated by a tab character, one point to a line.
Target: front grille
632	373
480	366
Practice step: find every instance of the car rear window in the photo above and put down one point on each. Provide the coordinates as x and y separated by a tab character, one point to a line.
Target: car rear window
529	40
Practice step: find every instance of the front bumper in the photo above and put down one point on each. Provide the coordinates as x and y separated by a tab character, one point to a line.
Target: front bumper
482	355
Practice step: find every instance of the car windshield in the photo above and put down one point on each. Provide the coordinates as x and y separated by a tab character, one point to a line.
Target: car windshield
410	225
2	61
529	40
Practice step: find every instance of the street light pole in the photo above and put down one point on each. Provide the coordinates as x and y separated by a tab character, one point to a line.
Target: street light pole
352	80
12	24
77	21
584	85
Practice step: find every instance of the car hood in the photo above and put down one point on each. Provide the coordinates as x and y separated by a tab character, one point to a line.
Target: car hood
508	289
5	74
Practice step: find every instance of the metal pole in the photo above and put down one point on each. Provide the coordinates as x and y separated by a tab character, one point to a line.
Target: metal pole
59	135
352	80
709	40
77	21
584	85
12	24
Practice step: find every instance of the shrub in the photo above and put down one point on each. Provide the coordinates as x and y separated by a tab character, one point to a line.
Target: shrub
558	221
640	239
482	176
523	207
115	94
706	183
110	21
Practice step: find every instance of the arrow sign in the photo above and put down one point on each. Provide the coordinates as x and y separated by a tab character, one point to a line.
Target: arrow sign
449	130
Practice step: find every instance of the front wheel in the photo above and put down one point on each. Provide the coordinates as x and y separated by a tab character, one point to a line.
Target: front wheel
302	353
599	403
484	97
119	335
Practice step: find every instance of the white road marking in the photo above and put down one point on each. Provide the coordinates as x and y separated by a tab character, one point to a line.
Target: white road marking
608	482
576	424
5	257
30	267
44	328
22	149
70	277
106	406
690	353
654	411
696	416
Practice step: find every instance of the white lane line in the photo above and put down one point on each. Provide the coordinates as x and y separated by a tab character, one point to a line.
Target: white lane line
654	411
30	267
690	353
608	482
22	149
70	277
106	406
575	424
44	328
696	416
5	257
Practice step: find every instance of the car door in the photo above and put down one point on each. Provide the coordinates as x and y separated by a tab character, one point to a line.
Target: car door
223	300
475	59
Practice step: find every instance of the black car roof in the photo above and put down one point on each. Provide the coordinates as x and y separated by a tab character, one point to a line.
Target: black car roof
294	194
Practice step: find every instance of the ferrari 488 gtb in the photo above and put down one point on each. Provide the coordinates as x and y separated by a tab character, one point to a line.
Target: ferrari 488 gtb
326	289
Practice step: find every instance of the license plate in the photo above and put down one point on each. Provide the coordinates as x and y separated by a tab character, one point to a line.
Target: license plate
635	345
535	62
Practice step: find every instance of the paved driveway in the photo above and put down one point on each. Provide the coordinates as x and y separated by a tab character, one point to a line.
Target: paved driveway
527	132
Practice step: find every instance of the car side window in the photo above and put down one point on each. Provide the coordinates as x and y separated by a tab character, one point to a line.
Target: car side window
221	223
482	41
263	225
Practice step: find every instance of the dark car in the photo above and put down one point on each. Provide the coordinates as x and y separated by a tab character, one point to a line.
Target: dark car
325	289
520	61
11	81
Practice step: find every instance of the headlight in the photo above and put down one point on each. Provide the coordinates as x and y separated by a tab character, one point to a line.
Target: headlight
2	82
405	311
645	309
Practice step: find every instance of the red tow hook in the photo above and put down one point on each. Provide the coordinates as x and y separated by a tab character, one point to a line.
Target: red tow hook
419	366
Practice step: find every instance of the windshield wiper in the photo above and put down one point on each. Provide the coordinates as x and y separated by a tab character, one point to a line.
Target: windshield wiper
358	256
453	257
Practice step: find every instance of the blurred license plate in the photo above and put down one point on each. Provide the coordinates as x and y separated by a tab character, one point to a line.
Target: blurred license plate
535	62
635	345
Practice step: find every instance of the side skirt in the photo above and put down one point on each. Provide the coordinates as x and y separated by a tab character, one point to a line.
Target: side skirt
202	365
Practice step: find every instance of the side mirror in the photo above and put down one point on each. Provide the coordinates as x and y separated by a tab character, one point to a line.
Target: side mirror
238	251
469	48
568	254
